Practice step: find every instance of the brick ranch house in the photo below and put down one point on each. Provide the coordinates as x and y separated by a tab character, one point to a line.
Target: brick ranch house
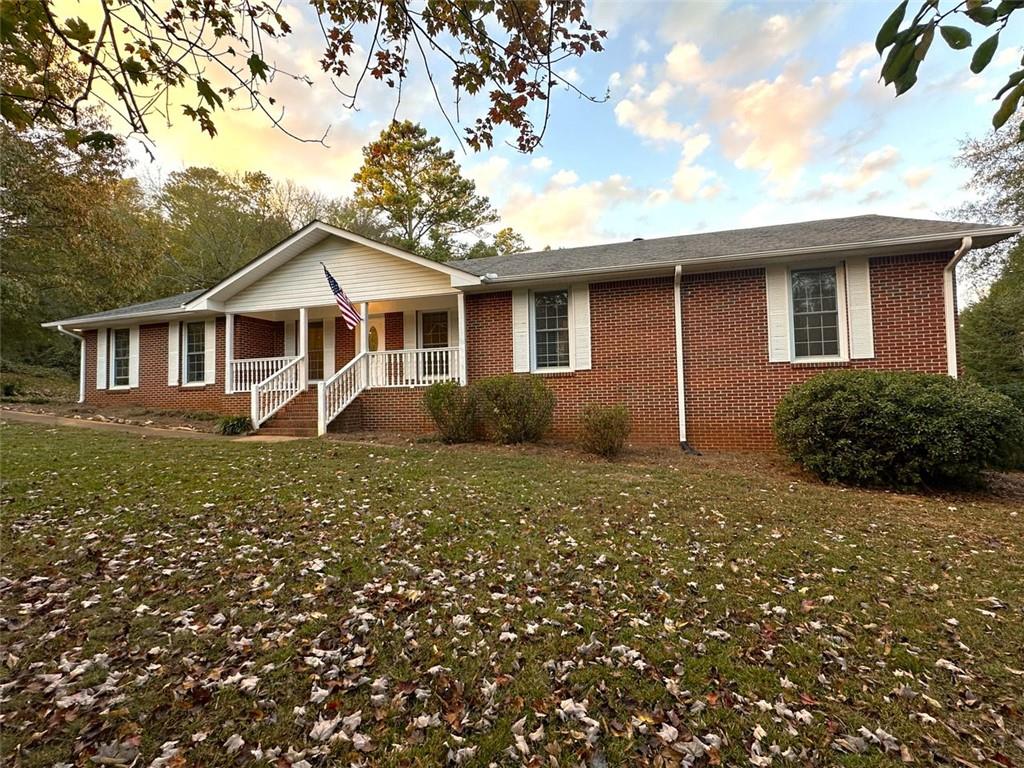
698	335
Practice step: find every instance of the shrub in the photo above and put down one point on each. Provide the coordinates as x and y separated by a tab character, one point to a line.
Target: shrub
514	408
234	425
453	409
605	429
896	429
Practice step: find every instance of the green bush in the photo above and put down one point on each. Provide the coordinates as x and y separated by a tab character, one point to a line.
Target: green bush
514	408
604	429
453	409
897	429
234	425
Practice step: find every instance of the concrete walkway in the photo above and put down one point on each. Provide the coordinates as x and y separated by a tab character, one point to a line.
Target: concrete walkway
53	420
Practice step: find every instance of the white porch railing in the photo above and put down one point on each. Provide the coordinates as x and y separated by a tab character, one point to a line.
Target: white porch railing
336	393
251	371
271	394
414	367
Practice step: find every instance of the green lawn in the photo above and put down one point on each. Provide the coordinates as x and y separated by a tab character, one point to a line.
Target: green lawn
318	603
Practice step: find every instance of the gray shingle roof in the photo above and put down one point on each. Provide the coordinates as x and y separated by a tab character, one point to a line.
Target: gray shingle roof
157	305
735	242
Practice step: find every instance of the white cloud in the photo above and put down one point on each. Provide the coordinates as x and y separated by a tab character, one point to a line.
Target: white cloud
540	163
848	64
564	178
685	64
649	121
566	215
867	170
488	173
916	177
773	126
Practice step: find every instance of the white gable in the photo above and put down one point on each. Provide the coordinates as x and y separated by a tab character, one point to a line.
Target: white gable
365	273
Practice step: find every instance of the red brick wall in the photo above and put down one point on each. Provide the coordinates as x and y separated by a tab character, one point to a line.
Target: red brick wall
732	389
344	343
255	337
386	410
394	330
153	390
632	355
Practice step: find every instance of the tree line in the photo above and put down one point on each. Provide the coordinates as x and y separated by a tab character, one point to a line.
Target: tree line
79	234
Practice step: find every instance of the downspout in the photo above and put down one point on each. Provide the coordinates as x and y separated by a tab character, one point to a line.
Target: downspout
680	384
949	296
81	360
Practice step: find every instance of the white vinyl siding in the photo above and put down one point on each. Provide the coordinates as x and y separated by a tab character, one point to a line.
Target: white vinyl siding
364	274
858	301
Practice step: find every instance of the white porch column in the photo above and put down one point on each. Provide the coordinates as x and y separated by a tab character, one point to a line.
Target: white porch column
229	352
364	327
462	338
303	350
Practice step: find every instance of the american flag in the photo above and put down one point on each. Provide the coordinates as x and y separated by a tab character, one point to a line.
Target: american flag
348	312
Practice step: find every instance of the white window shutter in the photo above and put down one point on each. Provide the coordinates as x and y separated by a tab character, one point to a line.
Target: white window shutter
858	302
777	287
173	353
210	350
328	347
101	358
581	325
521	330
133	357
289	338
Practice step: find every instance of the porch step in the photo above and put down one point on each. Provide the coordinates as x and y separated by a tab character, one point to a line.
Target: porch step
297	418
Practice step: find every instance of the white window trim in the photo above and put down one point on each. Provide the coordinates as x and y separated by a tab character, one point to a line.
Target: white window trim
419	326
183	354
841	317
571	368
111	332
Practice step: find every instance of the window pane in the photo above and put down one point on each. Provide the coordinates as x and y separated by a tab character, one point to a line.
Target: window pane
195	352
121	356
551	329
815	313
435	329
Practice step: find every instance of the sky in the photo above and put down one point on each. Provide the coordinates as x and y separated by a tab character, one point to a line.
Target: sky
718	115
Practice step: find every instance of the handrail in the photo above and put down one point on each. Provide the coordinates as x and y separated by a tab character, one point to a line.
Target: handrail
273	393
336	393
414	367
252	370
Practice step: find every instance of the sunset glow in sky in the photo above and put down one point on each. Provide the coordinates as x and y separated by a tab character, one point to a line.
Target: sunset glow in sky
719	115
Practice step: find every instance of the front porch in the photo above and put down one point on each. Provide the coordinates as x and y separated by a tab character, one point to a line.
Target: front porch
277	355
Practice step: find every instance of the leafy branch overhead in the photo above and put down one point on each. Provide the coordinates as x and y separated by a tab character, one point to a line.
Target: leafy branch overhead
908	45
144	57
